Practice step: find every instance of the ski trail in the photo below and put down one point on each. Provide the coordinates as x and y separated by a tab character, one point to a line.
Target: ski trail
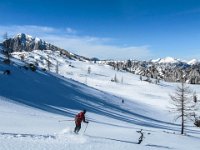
17	135
65	134
159	146
68	135
112	139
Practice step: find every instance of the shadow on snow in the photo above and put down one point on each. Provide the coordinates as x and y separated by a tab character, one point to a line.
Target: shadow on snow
53	94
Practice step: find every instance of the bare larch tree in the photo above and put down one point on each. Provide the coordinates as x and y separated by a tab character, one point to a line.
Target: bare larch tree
183	104
57	67
48	63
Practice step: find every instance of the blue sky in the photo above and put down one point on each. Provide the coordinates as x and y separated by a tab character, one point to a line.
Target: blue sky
117	29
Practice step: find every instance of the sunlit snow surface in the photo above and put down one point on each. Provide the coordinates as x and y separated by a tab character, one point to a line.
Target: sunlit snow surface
33	105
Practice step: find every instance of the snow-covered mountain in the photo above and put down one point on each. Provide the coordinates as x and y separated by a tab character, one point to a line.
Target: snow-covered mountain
171	60
155	60
42	54
168	69
24	42
193	62
167	60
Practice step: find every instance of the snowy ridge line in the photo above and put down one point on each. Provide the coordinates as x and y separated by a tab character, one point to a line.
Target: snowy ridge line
28	135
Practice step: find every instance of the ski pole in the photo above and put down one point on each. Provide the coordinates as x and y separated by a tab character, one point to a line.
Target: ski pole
85	128
64	120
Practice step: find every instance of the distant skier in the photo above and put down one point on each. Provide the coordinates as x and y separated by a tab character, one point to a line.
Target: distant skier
78	119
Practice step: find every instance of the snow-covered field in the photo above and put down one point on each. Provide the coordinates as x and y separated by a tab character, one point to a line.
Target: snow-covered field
33	105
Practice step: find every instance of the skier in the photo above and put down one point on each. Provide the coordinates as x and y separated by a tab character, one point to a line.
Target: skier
78	119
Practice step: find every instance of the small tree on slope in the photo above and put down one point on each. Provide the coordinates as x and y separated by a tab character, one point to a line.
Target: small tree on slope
6	50
89	70
183	104
115	79
48	63
57	67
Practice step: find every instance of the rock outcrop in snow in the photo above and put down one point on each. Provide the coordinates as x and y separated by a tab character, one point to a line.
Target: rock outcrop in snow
23	42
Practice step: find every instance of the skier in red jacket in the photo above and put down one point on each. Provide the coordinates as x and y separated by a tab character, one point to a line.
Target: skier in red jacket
78	119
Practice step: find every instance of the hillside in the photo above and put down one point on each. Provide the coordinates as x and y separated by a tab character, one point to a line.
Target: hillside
32	103
167	69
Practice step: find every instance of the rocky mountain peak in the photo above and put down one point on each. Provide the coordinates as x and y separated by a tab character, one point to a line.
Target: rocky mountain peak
24	42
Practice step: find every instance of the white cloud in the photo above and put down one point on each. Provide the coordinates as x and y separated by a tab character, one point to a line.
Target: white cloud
83	45
70	30
29	29
87	46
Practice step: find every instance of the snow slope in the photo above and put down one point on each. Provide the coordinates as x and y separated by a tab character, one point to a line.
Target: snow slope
193	62
32	103
166	60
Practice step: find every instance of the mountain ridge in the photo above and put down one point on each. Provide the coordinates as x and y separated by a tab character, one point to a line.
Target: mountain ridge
168	68
24	42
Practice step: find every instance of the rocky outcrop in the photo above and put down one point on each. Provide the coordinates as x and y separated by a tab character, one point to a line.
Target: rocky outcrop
24	42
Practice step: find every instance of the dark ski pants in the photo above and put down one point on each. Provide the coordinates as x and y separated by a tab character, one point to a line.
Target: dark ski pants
77	128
